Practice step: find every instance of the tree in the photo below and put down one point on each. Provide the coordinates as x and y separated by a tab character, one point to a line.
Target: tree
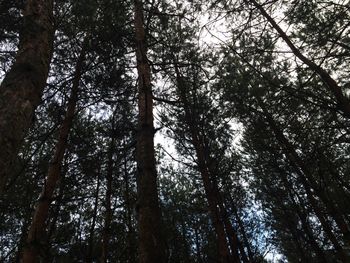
22	87
37	228
151	243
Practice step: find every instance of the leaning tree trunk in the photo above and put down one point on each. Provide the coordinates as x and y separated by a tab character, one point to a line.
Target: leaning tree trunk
304	177
235	244
36	235
303	220
22	87
242	229
334	88
151	244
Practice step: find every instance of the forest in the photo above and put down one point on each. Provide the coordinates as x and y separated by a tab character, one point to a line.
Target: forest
175	131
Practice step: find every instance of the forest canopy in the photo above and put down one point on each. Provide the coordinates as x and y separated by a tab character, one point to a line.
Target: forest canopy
158	131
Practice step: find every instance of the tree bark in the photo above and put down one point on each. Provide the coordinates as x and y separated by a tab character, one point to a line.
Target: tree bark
234	242
152	247
53	224
36	235
22	87
211	193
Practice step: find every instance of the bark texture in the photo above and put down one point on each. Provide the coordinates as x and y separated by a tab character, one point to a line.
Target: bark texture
221	225
37	231
151	244
22	87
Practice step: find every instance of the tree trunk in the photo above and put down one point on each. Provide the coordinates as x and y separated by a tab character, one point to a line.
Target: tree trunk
24	233
128	211
152	247
53	224
89	256
233	239
108	211
198	247
210	191
299	248
36	235
242	230
303	219
303	174
22	87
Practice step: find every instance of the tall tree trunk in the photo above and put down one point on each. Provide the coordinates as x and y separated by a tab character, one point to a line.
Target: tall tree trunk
286	214
128	211
299	248
335	89
22	87
198	247
53	224
211	193
311	239
302	216
233	239
36	235
152	247
335	213
242	230
108	211
185	244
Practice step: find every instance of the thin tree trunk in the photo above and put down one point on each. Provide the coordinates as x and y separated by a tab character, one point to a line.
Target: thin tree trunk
24	233
296	240
152	247
343	101
23	85
89	258
185	244
56	213
306	227
36	235
302	172
335	214
242	230
59	198
198	247
303	218
131	232
108	211
233	239
337	186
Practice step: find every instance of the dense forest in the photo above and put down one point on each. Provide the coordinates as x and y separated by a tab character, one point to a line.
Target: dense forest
161	131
